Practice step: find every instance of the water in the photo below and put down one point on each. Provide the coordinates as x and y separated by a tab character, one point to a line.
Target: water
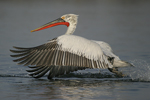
124	24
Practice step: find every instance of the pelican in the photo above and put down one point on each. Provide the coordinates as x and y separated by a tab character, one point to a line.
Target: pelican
67	53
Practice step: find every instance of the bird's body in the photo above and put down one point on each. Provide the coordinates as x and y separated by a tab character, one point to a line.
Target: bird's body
67	53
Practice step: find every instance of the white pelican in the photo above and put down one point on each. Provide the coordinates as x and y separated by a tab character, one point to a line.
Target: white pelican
67	53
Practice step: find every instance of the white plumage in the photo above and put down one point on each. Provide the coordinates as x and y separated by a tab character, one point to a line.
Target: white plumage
67	53
83	47
79	45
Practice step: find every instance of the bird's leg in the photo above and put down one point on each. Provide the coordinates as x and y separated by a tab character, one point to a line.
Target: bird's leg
115	70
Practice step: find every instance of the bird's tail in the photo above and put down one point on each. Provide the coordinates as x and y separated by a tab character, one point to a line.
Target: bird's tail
120	63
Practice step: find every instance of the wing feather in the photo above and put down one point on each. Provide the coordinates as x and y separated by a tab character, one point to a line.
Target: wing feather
43	72
36	68
38	71
59	59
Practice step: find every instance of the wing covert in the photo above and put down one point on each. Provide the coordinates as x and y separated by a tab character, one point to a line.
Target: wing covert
53	57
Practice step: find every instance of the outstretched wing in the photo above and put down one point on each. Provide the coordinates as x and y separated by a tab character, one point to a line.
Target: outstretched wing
61	55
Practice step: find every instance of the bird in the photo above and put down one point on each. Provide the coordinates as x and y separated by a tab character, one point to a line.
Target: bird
67	53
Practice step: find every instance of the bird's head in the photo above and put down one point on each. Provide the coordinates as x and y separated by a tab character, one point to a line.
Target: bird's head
70	20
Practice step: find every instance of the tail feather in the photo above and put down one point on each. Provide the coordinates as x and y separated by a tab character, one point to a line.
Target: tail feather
120	63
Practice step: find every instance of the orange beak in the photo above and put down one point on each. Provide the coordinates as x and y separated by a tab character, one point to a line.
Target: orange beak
56	22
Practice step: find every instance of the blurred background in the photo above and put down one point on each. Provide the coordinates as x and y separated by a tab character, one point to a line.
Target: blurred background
124	24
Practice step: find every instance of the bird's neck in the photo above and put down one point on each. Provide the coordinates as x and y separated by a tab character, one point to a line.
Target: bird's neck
71	29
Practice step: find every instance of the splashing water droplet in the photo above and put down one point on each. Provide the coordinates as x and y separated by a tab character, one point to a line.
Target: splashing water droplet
141	71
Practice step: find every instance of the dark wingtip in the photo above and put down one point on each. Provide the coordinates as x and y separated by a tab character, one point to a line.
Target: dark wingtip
30	75
11	50
29	70
13	55
32	66
18	47
14	51
14	46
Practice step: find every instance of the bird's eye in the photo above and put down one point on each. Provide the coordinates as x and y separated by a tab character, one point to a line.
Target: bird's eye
63	17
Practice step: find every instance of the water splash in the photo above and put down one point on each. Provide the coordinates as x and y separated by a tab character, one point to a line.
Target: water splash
141	71
24	75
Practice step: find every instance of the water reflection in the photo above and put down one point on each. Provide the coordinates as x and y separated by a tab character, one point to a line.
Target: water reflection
69	89
72	88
